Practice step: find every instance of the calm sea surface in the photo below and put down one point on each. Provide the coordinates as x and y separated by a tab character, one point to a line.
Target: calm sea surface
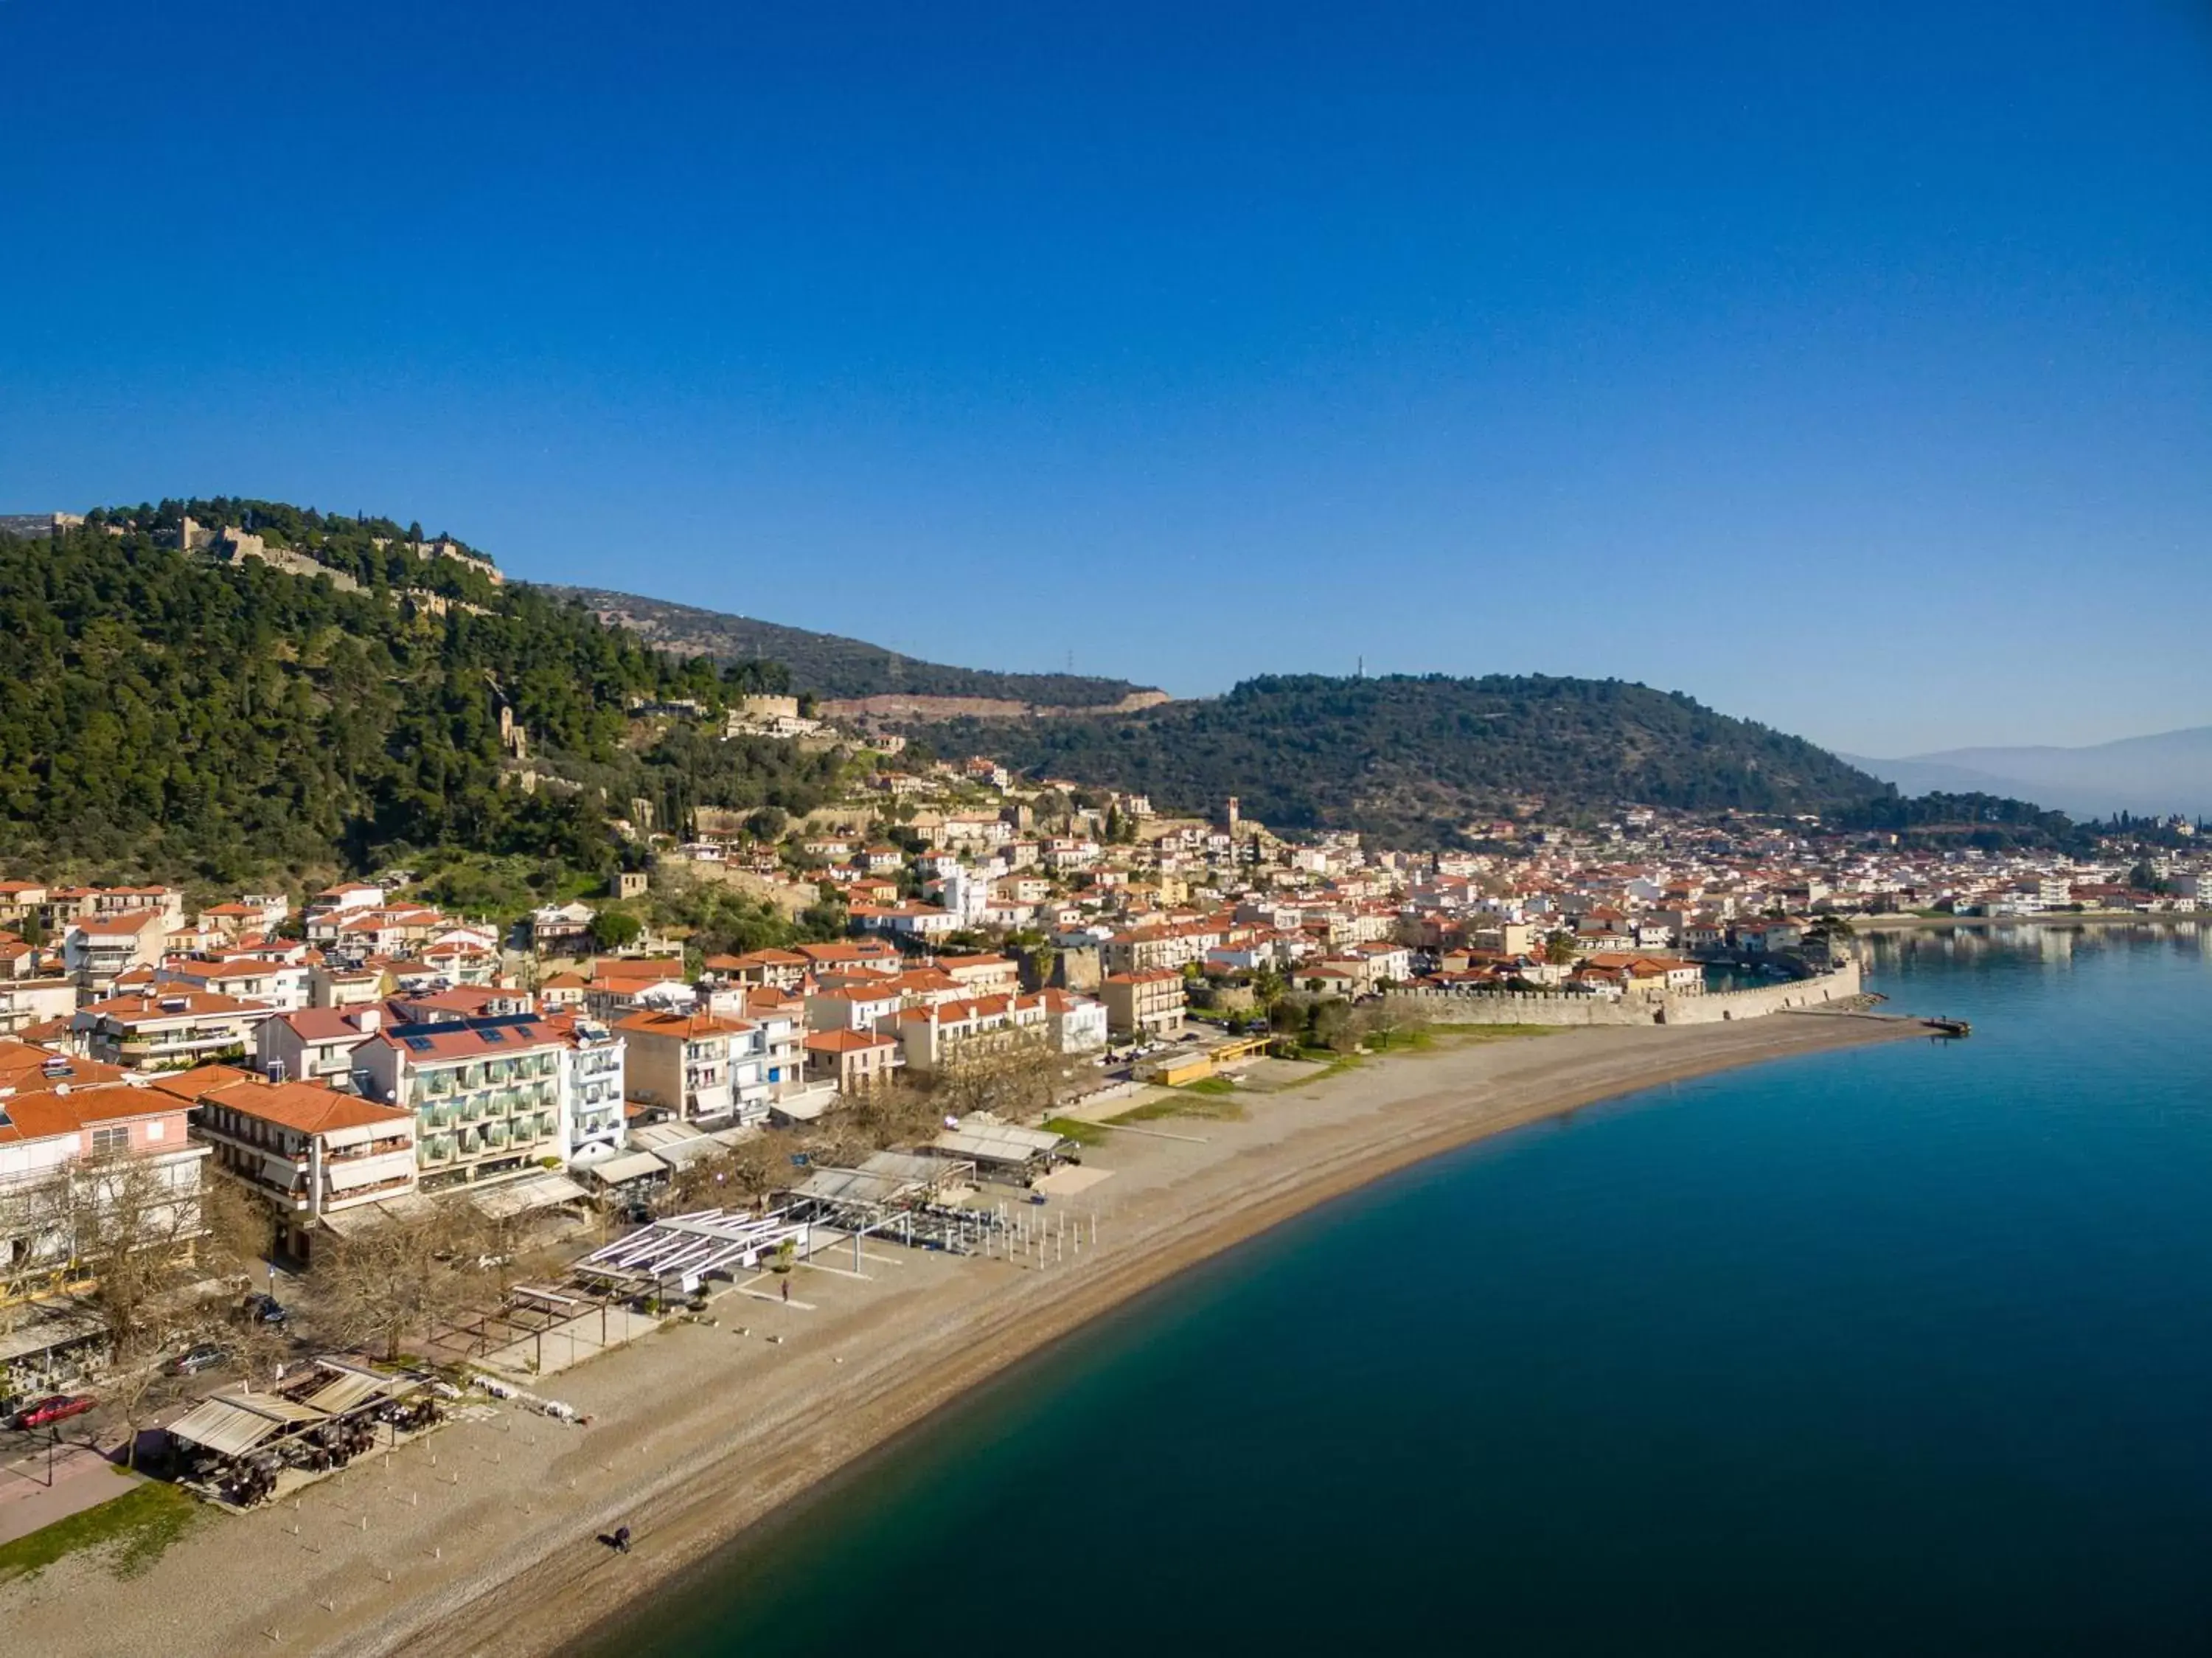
1906	1350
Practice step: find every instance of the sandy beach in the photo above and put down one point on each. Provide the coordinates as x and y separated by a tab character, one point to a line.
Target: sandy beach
481	1538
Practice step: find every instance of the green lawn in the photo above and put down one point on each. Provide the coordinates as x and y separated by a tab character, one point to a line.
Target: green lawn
133	1529
1083	1134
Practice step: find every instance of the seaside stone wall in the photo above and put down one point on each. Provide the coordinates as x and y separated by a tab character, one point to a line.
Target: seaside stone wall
1549	1007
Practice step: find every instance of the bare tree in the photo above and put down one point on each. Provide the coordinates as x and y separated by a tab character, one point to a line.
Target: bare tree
132	1224
701	1183
1019	1079
759	1167
836	1142
393	1279
893	1112
239	1230
34	1248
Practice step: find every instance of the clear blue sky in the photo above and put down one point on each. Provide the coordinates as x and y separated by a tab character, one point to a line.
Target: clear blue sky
1849	366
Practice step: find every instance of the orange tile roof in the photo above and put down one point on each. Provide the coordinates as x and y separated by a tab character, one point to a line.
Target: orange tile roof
22	1068
300	1106
846	1041
680	1024
135	1009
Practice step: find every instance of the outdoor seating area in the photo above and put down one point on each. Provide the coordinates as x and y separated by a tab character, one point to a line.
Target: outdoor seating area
242	1446
47	1346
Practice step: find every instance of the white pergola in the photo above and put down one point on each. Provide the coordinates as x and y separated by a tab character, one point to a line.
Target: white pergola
690	1247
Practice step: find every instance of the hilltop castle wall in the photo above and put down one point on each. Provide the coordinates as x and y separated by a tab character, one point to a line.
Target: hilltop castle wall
1551	1008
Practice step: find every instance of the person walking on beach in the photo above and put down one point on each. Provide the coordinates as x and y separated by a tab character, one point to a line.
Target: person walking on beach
622	1540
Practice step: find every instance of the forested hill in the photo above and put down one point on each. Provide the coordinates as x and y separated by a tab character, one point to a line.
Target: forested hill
830	665
170	716
1411	758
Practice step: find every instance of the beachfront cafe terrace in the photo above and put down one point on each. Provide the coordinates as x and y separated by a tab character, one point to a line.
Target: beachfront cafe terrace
244	1440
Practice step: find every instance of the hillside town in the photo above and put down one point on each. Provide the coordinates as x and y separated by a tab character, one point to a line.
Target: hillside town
357	1069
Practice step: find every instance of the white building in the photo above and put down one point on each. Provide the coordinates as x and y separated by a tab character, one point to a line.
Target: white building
593	1082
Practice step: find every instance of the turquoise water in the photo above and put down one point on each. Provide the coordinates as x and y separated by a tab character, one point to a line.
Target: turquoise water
1901	1350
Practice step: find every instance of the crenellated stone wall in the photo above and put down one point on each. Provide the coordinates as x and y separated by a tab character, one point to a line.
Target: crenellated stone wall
1551	1007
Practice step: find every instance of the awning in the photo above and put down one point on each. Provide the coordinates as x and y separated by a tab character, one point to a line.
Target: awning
232	1423
543	1189
351	1387
805	1107
232	1426
633	1166
988	1142
658	1137
342	1394
351	1223
344	1177
49	1324
682	1153
885	1178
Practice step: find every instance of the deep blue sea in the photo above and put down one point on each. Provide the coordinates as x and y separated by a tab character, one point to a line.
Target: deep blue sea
1901	1350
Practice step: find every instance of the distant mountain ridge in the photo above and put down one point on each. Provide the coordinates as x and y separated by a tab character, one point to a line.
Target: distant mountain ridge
213	710
2148	776
840	669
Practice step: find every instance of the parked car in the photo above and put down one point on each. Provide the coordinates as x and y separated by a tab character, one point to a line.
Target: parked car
266	1309
55	1407
193	1360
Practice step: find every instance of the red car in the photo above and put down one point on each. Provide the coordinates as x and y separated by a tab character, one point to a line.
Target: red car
59	1407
